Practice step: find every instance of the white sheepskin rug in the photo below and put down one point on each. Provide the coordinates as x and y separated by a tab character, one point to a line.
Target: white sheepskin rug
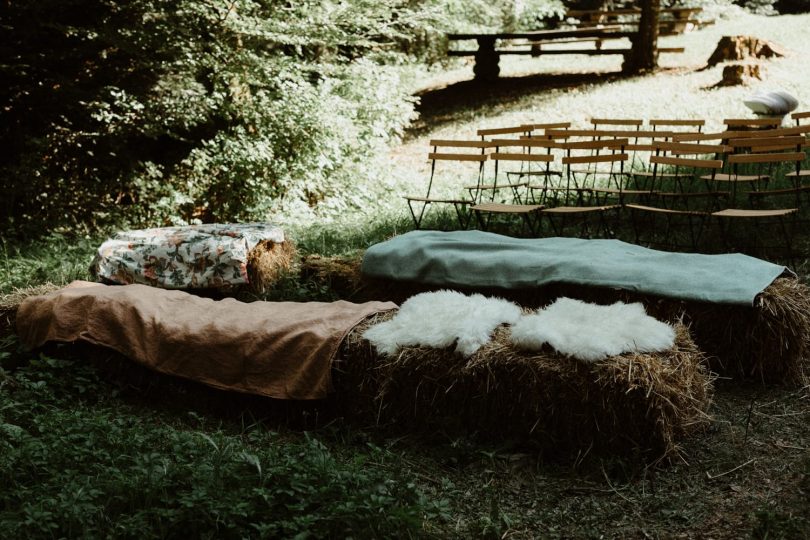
592	332
439	319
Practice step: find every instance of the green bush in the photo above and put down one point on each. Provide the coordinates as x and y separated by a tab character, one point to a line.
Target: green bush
154	112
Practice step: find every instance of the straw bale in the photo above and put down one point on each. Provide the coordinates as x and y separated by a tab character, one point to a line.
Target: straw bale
633	404
769	341
340	274
11	301
268	262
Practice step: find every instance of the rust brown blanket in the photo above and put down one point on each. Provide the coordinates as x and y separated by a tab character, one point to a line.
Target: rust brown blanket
282	350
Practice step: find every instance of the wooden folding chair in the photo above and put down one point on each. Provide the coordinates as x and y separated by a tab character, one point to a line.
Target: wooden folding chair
799	116
418	205
526	175
484	211
691	124
798	175
752	123
543	128
517	181
515	131
585	211
674	196
756	222
598	122
761	154
784	150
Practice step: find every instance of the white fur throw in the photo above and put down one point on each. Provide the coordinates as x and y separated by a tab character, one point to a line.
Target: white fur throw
592	332
439	319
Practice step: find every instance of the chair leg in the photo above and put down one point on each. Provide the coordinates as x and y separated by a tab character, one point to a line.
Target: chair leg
417	220
463	220
481	223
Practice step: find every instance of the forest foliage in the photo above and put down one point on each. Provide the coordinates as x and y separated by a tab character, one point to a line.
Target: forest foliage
155	112
152	112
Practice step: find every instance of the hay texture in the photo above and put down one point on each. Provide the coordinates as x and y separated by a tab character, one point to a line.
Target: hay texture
638	404
268	262
768	342
11	301
340	274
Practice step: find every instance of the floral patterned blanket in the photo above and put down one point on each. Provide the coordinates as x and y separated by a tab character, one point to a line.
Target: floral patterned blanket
190	257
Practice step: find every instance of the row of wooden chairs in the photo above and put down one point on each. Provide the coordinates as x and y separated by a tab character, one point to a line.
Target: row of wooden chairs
676	157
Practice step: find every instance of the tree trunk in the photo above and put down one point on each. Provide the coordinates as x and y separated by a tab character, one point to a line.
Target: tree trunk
644	54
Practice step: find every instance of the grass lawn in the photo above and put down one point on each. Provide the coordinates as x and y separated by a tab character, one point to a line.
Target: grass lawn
94	448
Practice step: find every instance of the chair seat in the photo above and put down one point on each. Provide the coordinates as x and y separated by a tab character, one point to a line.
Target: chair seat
623	191
649	174
579	209
535	173
692	194
500	208
726	177
740	213
561	188
783	191
643	208
437	200
513	185
801	173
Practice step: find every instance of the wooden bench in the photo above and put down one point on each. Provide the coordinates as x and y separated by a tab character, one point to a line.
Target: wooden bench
487	56
671	22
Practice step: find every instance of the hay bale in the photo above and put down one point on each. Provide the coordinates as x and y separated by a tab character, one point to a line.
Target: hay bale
212	258
268	262
11	301
340	274
769	341
633	404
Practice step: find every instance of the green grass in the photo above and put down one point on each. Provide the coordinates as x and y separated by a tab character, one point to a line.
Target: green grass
102	448
76	459
58	259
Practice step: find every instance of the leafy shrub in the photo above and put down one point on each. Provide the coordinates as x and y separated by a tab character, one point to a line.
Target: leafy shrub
155	111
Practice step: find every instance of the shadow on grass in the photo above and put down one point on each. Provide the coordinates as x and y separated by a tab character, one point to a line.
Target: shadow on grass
445	105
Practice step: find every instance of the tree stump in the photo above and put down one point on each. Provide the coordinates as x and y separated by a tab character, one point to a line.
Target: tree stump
736	74
731	48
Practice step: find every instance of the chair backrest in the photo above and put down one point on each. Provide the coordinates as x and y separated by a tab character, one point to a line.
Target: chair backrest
700	137
695	124
476	152
768	159
689	160
479	156
678	148
525	155
549	125
616	155
767	144
617	122
799	116
753	123
777	157
510	130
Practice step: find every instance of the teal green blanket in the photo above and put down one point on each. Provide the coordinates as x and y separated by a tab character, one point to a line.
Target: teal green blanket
481	259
